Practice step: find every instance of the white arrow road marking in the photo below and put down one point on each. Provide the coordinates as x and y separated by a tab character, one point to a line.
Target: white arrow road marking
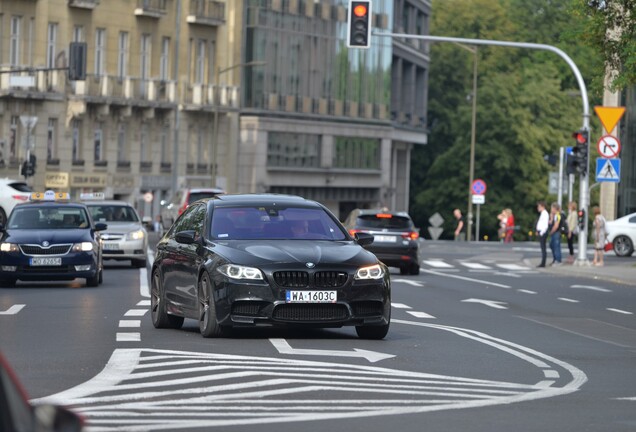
490	303
13	309
420	314
620	311
479	281
592	288
284	348
407	281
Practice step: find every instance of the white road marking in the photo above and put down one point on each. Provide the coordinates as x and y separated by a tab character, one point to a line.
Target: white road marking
128	337
136	312
284	348
490	303
479	281
13	310
129	323
144	303
592	288
420	314
400	306
549	373
526	291
626	398
568	300
475	266
437	263
620	311
512	267
408	281
143	283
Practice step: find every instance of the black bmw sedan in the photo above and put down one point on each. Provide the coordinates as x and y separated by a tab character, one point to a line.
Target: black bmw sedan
267	260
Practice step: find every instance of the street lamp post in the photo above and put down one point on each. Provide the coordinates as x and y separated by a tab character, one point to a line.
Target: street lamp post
215	134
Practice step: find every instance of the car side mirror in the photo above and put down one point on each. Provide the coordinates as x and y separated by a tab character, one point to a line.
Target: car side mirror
186	237
100	226
363	239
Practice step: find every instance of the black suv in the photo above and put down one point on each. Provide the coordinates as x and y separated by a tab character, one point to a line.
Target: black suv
395	241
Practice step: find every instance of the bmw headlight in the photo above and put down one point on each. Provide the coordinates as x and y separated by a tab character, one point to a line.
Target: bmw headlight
370	272
240	272
135	235
9	247
83	247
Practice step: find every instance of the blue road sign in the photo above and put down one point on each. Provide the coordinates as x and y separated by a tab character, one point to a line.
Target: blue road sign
568	150
608	170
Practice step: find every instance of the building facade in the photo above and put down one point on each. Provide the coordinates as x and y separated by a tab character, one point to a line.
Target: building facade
250	96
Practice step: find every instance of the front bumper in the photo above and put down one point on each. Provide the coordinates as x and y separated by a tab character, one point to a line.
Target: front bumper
18	266
124	249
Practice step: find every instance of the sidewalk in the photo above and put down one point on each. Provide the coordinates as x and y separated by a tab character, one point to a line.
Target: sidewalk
617	270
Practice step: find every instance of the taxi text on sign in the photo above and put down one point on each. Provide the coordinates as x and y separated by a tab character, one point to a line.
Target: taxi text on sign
609	116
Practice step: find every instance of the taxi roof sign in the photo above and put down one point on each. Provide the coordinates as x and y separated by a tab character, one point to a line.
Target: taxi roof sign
609	116
49	195
93	196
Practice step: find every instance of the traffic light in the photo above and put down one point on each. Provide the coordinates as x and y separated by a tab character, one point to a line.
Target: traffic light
582	221
577	161
359	28
77	61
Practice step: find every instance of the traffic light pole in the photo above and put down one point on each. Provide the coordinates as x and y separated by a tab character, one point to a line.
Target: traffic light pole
584	177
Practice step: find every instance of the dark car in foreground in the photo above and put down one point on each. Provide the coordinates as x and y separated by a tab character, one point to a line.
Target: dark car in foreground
50	239
396	240
267	260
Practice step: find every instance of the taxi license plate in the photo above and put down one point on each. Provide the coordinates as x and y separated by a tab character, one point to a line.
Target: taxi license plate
46	261
312	296
111	246
384	238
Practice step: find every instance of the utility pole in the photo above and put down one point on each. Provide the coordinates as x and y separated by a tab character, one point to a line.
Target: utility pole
175	77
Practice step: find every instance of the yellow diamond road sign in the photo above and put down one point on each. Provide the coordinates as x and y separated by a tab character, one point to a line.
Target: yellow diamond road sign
609	116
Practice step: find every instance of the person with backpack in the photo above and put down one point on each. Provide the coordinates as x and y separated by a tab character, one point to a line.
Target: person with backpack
555	227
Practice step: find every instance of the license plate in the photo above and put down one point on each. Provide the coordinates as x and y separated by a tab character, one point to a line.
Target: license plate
312	296
384	239
111	246
46	261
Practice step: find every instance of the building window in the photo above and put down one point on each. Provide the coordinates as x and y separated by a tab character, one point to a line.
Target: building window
51	45
121	143
98	142
357	153
100	52
78	34
14	41
122	56
201	147
51	139
200	62
13	138
163	139
143	143
164	63
144	63
293	150
76	140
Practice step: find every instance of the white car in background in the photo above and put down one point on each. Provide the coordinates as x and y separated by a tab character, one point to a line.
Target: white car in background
622	234
12	192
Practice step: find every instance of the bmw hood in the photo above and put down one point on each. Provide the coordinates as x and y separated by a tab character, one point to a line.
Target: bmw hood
50	236
286	252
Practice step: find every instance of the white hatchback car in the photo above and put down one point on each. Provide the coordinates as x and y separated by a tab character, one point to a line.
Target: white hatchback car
622	234
12	192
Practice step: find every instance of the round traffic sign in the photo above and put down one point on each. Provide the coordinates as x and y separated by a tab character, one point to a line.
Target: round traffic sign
478	187
608	146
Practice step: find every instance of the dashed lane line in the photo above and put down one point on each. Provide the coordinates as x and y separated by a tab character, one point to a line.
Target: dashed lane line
591	288
129	323
525	291
437	264
136	312
400	306
417	314
569	300
128	337
13	310
620	311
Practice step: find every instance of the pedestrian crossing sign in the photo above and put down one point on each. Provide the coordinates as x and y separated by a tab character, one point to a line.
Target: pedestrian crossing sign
608	170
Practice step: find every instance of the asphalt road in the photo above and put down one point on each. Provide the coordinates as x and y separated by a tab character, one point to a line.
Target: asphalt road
479	341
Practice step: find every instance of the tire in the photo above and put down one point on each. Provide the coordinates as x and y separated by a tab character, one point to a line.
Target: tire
161	318
208	325
101	276
8	283
414	270
138	263
623	246
93	281
404	270
372	332
3	217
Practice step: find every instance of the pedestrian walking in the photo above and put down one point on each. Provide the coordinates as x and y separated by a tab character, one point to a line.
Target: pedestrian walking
555	233
573	228
502	218
600	235
542	230
460	228
510	225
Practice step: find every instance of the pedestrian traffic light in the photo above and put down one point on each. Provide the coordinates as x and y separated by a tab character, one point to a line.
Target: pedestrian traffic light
577	161
581	219
359	28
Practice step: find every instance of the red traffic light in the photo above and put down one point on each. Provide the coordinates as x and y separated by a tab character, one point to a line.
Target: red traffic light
579	137
360	10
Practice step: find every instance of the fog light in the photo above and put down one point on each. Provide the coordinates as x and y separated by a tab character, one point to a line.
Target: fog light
83	267
9	268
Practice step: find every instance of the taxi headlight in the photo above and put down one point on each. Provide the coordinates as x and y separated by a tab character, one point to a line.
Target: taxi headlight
371	272
9	247
83	247
240	272
135	235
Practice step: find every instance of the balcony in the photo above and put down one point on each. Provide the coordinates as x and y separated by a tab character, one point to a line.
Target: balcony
151	8
207	97
83	4
38	84
115	90
206	12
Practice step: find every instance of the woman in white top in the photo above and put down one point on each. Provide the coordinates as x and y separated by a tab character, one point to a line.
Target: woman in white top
600	234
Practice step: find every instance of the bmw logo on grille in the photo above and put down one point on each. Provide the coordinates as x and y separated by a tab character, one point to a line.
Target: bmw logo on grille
310	265
45	243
